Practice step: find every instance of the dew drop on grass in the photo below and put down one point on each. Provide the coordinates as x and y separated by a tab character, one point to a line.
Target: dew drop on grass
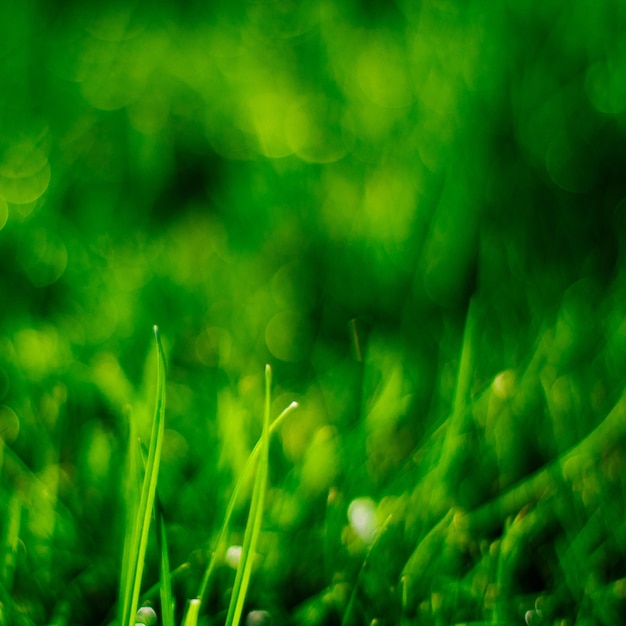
362	516
258	618
504	384
233	556
533	617
146	615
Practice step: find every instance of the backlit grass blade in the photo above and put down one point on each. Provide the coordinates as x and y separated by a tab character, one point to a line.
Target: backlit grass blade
134	554
458	417
255	516
167	598
250	464
131	502
191	617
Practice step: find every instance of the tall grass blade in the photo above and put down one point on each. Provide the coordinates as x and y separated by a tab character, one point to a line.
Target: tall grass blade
255	516
191	617
166	595
347	615
456	422
245	475
137	539
131	501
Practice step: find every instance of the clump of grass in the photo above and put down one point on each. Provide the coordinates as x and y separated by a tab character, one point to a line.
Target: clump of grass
139	514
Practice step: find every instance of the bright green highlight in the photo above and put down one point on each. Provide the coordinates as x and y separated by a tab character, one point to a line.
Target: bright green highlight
140	512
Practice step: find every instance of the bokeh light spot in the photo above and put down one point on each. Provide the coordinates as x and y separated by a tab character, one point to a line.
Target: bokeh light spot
175	446
268	112
382	72
43	257
389	204
362	517
233	556
98	454
288	336
149	113
213	346
314	130
115	23
606	88
321	461
37	352
9	424
503	384
24	173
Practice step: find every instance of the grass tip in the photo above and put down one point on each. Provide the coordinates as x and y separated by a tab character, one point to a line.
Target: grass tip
191	619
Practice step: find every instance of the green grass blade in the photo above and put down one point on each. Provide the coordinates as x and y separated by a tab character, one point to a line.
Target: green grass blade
134	556
191	617
167	597
130	539
457	420
347	615
567	466
255	516
250	464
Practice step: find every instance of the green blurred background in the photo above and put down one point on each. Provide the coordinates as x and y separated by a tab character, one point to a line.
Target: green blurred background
333	188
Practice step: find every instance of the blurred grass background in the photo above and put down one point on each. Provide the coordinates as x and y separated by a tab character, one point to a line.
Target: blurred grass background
414	211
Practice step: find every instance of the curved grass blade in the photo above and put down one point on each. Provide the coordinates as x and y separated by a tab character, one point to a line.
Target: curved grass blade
137	539
255	516
250	464
567	466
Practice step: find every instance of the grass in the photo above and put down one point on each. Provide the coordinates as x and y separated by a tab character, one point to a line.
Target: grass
427	551
514	516
414	212
218	551
142	511
255	517
458	534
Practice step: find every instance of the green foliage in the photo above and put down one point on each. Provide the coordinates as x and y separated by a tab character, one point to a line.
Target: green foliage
140	510
413	211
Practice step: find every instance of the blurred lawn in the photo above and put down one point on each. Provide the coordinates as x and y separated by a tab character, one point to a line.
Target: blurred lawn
414	211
